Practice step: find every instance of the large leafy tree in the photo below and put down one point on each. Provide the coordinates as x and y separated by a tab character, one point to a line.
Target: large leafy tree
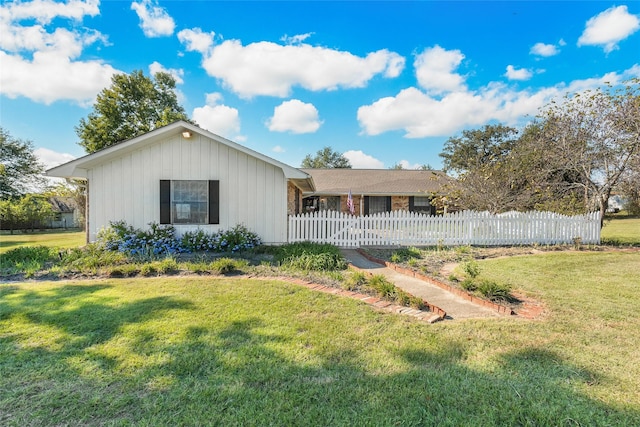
134	104
477	148
20	169
326	158
481	159
594	137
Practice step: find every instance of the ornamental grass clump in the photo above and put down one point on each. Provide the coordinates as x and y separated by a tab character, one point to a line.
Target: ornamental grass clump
228	265
309	256
27	260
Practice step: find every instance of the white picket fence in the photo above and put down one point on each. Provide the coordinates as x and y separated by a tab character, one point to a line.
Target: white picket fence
402	228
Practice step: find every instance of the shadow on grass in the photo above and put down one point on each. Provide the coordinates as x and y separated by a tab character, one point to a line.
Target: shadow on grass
244	373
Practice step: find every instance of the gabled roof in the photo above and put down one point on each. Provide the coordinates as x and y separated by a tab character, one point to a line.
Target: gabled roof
78	168
63	204
383	182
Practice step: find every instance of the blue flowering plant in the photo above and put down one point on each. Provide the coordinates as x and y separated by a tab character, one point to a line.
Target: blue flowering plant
237	239
161	240
158	240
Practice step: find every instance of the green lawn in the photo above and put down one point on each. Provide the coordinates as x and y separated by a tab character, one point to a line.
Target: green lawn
52	238
210	351
625	231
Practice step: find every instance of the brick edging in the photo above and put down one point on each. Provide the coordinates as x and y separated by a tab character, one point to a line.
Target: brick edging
432	307
461	293
375	302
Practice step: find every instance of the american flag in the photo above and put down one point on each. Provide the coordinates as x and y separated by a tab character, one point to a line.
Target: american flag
350	206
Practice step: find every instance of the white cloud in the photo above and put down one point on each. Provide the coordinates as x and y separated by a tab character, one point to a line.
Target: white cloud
177	74
278	149
521	74
196	40
294	116
435	70
218	118
406	165
154	20
542	49
297	39
50	158
420	114
49	77
44	11
609	27
266	68
41	64
360	160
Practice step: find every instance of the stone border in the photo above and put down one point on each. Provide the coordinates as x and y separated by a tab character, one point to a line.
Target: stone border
463	294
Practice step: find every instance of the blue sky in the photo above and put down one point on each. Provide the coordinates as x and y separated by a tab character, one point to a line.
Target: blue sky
382	82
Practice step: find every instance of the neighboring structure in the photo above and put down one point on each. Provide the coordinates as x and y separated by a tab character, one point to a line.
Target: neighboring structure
65	213
372	190
183	175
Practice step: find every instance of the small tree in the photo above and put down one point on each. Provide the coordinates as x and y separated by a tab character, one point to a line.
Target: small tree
20	169
326	159
133	105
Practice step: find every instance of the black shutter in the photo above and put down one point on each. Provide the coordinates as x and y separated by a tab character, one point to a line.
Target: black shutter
388	204
411	204
366	205
165	201
214	202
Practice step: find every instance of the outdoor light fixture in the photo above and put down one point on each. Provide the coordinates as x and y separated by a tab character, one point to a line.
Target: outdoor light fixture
186	134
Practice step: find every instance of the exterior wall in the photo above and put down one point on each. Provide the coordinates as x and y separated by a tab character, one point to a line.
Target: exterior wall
67	220
356	204
292	190
252	192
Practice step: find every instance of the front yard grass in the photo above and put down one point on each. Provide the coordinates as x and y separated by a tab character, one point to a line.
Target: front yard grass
225	351
208	350
621	231
51	238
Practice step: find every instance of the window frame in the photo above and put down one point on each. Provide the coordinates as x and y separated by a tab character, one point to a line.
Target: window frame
167	202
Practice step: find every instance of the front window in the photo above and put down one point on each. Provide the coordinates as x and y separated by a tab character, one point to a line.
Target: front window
189	202
377	205
330	204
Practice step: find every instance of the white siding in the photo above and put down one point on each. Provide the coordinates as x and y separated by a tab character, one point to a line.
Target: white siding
252	192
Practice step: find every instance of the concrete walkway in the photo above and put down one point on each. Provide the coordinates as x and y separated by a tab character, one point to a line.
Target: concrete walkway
455	306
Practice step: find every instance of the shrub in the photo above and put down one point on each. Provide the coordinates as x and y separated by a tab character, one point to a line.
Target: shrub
169	265
404	254
382	286
159	240
125	270
148	269
91	258
471	268
355	281
227	265
309	256
469	285
494	291
316	262
238	238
